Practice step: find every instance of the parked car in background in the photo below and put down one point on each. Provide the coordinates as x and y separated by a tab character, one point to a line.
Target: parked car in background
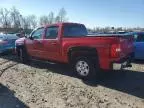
138	44
18	34
121	32
117	32
7	42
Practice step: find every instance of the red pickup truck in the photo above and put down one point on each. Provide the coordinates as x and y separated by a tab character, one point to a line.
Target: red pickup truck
70	43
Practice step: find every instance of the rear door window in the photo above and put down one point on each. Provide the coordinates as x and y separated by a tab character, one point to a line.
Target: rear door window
52	32
74	31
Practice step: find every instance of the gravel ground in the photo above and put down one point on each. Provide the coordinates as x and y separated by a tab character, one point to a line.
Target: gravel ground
47	85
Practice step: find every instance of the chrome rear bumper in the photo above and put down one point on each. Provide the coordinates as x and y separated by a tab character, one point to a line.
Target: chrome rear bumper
120	66
123	63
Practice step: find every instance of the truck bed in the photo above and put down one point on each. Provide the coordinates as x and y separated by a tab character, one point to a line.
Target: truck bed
107	35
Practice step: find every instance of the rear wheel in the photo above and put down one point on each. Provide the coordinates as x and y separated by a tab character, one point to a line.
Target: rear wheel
85	68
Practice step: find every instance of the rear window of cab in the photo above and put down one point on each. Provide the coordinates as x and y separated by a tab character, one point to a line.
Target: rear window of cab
75	30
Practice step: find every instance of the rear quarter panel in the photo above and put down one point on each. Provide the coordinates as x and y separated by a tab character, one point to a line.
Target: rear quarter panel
101	44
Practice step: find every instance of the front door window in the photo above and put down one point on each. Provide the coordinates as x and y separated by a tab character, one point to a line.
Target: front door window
38	33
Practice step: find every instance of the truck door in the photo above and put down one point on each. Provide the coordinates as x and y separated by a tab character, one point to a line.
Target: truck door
52	43
34	44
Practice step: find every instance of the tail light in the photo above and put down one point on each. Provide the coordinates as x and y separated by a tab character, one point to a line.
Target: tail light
115	50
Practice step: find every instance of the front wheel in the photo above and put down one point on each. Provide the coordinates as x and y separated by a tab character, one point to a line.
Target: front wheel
85	68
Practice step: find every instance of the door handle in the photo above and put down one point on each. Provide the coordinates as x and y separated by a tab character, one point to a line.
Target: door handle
53	43
39	42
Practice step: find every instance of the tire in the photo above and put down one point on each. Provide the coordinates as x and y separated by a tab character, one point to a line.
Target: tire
85	68
24	57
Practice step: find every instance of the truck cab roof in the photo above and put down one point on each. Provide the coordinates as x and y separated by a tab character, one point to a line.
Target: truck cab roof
63	23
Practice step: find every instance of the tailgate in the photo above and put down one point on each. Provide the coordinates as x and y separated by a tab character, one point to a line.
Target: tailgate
126	45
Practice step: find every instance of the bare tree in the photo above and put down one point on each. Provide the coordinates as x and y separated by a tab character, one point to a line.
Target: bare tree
62	16
57	19
43	20
25	23
51	18
16	18
119	29
13	18
4	18
32	19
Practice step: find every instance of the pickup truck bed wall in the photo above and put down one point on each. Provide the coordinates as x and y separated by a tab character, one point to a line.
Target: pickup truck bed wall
102	46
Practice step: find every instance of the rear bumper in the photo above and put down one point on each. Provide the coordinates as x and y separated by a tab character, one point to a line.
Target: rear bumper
122	63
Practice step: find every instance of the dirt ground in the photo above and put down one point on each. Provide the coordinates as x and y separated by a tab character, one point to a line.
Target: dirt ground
48	85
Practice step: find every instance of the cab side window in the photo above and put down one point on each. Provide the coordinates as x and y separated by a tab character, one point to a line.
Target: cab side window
37	34
75	31
52	32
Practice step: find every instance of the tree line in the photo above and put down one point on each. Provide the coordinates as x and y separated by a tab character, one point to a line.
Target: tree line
13	18
113	29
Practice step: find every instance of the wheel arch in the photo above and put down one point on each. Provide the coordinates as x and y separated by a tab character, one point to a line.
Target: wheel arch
82	51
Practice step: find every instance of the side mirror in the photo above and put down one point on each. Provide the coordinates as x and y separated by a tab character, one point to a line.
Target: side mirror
26	36
31	38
